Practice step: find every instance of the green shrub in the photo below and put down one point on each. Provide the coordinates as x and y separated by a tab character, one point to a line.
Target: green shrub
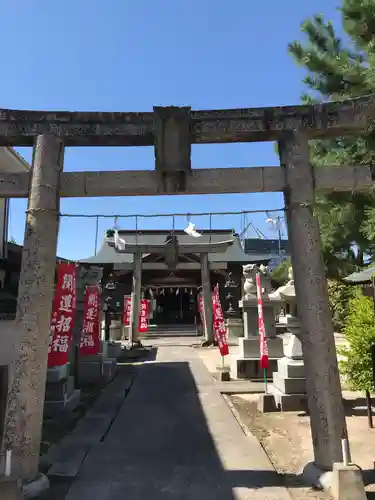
279	275
339	296
359	331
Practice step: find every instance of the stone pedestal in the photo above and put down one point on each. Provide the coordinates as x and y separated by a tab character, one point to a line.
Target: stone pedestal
115	330
246	364
61	397
250	316
289	382
109	365
89	370
235	330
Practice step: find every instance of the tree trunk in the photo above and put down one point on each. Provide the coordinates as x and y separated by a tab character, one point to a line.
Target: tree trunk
25	402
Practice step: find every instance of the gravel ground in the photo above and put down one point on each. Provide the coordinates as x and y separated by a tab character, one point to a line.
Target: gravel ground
284	442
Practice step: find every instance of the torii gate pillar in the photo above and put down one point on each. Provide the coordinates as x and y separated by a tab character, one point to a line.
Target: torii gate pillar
328	425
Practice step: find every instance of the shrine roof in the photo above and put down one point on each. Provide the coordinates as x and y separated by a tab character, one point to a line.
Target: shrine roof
234	253
364	276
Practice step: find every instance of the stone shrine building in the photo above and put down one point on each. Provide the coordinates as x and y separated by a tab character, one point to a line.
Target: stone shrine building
173	291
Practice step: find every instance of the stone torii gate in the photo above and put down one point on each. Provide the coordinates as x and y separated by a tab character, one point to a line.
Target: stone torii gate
171	249
171	131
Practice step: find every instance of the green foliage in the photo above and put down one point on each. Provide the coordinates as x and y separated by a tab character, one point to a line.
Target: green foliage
340	295
279	275
338	70
360	333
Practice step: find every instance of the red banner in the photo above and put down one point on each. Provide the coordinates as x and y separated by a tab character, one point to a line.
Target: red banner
143	313
220	331
64	306
127	310
261	327
143	316
90	338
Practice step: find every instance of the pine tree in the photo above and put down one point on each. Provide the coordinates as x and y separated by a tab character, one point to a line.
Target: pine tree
338	70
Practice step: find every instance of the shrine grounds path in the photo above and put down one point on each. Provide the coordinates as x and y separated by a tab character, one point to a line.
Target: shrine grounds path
175	438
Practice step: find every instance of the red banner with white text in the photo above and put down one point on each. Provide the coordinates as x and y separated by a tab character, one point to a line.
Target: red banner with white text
64	306
127	309
143	313
261	327
90	338
220	331
143	316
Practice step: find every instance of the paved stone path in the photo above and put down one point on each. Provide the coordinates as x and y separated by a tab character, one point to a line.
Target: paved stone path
175	437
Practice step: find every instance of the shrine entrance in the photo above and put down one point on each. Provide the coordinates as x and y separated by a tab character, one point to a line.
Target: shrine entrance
175	306
171	131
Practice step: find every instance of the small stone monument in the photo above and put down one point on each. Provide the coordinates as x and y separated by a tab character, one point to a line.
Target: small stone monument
289	383
246	365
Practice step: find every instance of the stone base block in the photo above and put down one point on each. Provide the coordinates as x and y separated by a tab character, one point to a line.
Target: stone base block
289	385
347	483
57	391
114	350
289	402
235	330
63	407
249	368
109	369
89	371
266	403
249	347
291	368
57	373
223	373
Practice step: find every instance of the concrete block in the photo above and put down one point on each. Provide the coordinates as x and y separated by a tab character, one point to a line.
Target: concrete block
249	368
57	373
235	330
289	385
89	372
290	368
347	483
62	408
70	464
249	347
289	402
59	390
266	403
10	489
223	373
114	350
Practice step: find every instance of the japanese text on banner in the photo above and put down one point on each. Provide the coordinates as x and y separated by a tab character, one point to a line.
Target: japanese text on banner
143	316
90	338
220	331
261	327
127	310
143	313
64	306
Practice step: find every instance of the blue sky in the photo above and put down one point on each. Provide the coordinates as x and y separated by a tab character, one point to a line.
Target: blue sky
129	55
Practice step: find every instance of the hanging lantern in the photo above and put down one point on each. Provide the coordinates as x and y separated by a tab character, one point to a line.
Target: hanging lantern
171	290
177	291
191	291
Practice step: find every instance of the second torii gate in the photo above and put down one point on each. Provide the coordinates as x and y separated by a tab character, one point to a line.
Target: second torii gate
171	131
171	250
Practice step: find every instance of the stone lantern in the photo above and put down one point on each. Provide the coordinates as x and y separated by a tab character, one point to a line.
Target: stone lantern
289	383
246	364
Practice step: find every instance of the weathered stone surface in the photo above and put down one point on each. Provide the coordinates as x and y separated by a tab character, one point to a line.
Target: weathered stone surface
23	422
19	127
322	376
